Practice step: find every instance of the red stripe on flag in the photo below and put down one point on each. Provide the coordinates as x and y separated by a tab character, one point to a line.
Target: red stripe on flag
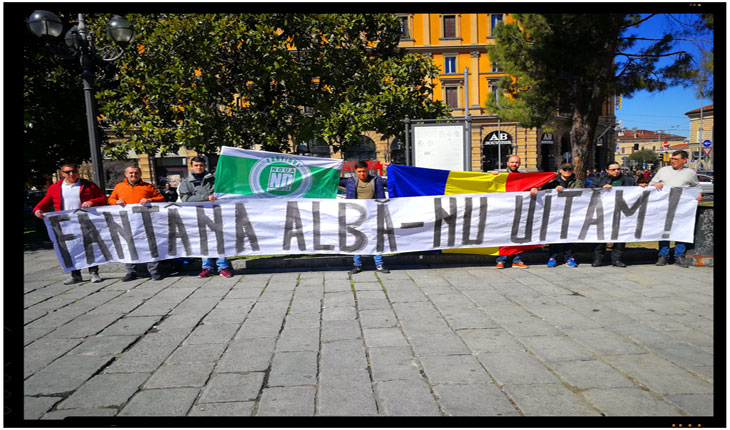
526	181
511	250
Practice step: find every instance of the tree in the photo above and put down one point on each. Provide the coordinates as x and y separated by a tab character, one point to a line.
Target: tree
54	112
572	63
644	156
208	80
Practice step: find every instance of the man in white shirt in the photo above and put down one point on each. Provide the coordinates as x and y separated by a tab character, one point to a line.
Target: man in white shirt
68	194
675	175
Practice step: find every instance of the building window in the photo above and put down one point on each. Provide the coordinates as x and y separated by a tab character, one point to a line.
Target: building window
496	19
496	68
451	95
495	90
449	26
449	65
405	27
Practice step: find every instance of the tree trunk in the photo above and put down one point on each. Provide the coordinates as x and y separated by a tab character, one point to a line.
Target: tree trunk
589	106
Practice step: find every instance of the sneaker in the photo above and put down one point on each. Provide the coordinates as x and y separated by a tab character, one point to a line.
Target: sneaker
520	265
552	263
682	262
72	280
382	269
500	265
355	269
661	261
156	277
571	263
129	277
205	273
619	263
95	277
225	273
597	263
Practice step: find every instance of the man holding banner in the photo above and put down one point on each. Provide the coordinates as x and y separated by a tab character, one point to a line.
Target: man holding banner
365	186
675	175
199	187
135	190
513	165
614	178
72	193
565	179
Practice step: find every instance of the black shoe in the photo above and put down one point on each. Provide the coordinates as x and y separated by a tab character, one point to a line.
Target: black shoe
618	263
596	263
682	262
129	277
355	269
156	277
661	261
382	269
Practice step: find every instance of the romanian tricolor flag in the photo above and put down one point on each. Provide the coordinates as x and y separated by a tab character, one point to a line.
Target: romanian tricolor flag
407	181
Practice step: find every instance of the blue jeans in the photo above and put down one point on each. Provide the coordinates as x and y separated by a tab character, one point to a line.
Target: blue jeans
222	263
503	259
679	248
357	260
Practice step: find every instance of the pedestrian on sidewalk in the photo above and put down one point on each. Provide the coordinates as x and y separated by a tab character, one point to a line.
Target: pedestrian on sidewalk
134	190
198	187
675	175
513	165
71	193
564	179
613	178
365	186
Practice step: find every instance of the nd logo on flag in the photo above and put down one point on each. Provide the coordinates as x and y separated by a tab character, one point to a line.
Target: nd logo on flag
247	173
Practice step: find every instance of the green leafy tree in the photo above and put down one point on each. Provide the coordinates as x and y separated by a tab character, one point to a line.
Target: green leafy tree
207	80
572	63
644	156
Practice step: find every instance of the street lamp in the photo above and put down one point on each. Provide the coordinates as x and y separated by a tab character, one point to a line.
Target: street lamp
80	43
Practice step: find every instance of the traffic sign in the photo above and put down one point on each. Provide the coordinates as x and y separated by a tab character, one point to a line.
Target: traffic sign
666	144
707	144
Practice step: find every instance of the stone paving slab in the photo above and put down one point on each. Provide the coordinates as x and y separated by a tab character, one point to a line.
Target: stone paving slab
465	340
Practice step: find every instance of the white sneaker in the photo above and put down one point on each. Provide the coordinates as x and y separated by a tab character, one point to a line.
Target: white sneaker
72	280
95	277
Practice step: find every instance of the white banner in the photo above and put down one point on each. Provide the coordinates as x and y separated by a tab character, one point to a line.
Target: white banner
160	231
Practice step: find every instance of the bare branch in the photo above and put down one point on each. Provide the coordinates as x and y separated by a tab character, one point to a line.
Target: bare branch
650	56
639	21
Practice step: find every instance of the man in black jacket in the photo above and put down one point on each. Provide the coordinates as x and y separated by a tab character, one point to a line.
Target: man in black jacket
614	178
565	179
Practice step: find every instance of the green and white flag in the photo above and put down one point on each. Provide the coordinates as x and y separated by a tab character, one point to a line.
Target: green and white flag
247	173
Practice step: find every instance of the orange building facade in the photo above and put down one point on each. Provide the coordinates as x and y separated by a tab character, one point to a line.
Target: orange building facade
458	45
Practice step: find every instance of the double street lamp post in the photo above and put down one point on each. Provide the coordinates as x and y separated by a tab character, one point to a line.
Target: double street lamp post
80	43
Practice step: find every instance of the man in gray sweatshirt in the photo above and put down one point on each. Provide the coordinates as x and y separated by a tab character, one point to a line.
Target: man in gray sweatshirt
675	175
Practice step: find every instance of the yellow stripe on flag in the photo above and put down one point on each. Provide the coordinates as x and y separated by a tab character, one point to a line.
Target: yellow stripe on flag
491	250
475	182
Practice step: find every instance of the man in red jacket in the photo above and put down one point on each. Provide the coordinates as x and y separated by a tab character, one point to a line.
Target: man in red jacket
72	193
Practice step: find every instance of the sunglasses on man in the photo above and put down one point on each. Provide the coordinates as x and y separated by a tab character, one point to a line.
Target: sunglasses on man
68	172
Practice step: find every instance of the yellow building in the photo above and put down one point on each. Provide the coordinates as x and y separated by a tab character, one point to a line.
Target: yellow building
458	43
630	141
701	128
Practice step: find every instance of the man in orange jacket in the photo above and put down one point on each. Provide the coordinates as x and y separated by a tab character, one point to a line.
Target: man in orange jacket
135	190
72	193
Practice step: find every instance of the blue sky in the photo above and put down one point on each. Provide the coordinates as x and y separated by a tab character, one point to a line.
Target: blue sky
660	110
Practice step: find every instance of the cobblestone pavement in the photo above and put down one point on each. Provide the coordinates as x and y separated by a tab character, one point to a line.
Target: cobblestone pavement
420	341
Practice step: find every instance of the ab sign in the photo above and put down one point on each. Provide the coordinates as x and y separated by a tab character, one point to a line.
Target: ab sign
498	137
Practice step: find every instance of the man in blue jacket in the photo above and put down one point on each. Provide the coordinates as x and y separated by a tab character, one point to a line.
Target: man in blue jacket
365	186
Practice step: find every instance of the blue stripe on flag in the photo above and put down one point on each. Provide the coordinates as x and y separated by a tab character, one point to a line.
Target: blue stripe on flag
408	181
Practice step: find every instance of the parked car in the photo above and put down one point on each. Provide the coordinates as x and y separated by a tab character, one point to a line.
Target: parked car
708	186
